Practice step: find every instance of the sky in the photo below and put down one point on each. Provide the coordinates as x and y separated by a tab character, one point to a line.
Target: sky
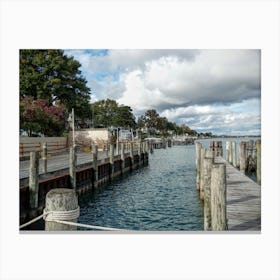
216	91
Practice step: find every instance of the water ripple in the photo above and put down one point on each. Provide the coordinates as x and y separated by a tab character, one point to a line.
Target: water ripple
161	196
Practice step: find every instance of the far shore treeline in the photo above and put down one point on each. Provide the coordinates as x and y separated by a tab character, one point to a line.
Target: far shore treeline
51	84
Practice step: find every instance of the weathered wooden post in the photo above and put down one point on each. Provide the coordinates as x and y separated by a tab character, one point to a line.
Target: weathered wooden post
94	150
72	166
233	148
131	155
206	173
242	156
218	197
230	153
34	179
122	157
112	158
202	155
227	150
61	205
258	146
198	147
151	147
107	148
44	158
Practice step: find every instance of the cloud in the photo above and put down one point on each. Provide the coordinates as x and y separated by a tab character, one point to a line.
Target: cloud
200	87
237	118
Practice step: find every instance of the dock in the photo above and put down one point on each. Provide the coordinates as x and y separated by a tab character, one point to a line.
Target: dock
243	200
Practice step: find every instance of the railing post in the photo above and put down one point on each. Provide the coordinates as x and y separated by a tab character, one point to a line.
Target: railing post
218	197
72	166
206	173
258	146
34	179
198	147
44	158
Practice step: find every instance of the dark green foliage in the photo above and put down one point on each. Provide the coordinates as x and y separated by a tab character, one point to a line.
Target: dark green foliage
55	77
108	113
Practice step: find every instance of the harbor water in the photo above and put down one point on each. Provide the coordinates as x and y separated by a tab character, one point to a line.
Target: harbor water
159	197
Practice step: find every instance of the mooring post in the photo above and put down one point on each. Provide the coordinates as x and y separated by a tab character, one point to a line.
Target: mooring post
72	166
233	148
34	179
112	158
61	204
131	154
258	146
202	155
230	152
218	197
242	156
122	157
227	150
94	150
206	173
198	147
44	157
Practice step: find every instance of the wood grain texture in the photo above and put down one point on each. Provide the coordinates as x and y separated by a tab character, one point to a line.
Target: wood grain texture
243	200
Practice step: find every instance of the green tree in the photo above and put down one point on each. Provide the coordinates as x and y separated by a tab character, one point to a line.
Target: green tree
108	113
55	77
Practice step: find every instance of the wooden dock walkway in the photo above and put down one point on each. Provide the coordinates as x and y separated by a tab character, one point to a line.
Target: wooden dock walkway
243	200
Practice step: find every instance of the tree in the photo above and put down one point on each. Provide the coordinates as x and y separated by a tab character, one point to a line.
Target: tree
38	116
108	113
55	77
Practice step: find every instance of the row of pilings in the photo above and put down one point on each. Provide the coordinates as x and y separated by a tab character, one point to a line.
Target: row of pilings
211	176
211	185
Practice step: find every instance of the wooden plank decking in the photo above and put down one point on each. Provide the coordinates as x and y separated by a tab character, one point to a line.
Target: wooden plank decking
243	200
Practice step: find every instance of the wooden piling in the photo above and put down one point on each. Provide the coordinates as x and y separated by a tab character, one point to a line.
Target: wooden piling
44	158
58	203
111	159
242	156
34	179
230	152
218	197
94	150
227	150
198	147
72	166
131	154
202	155
206	173
258	146
122	157
233	149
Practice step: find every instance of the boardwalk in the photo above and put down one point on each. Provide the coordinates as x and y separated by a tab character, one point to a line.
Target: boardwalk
58	163
243	200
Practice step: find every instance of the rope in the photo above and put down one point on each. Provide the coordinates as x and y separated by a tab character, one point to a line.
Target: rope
61	215
89	226
32	221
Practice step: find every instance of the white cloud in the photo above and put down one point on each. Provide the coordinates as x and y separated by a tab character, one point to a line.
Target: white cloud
196	86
